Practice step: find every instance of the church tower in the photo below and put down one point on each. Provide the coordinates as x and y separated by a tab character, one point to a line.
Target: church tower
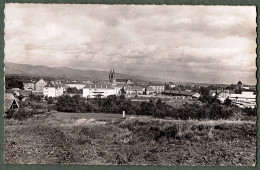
112	76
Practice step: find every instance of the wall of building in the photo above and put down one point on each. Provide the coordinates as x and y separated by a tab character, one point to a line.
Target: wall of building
78	86
28	86
49	92
40	85
157	89
59	91
94	92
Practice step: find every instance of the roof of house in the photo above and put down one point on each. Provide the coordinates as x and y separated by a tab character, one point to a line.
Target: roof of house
178	92
172	91
77	83
149	88
187	93
26	93
53	85
37	93
98	86
28	82
9	99
157	84
196	95
245	96
16	89
119	85
211	92
50	85
123	80
41	80
134	88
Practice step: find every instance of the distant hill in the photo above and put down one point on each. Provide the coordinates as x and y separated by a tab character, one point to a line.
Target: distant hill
38	70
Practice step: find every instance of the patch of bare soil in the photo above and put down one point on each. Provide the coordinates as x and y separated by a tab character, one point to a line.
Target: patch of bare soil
55	140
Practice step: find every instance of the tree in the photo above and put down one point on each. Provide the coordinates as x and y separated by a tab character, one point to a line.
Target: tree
228	102
13	83
50	100
147	108
204	97
231	87
160	109
240	86
238	91
74	90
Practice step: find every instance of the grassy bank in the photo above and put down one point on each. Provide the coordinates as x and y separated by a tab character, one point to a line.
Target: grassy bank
108	139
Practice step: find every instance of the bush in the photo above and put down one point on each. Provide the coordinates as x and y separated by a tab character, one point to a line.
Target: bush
23	113
212	111
71	104
50	100
249	111
114	104
171	132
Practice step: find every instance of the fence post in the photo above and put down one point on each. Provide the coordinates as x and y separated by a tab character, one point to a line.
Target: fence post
123	114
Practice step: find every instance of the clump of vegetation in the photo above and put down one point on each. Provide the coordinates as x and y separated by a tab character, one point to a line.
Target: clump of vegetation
13	82
23	113
28	108
74	90
211	110
249	111
132	141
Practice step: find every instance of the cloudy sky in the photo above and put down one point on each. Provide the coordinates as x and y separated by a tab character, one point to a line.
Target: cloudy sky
214	44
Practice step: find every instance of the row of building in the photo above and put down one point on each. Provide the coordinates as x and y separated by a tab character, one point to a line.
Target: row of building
247	99
91	90
129	88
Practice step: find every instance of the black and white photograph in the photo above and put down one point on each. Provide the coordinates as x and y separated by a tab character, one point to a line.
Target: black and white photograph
96	84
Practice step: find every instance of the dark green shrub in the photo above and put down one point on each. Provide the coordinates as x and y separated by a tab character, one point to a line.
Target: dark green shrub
249	111
171	132
23	113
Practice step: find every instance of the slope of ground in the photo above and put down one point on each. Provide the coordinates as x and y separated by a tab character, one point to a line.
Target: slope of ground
38	70
65	138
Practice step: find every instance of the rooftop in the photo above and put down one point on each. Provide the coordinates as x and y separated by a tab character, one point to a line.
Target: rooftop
134	88
98	86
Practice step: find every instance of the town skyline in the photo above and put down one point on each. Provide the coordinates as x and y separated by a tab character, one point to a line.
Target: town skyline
118	74
171	42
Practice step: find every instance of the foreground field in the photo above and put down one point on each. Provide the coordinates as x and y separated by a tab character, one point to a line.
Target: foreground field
65	138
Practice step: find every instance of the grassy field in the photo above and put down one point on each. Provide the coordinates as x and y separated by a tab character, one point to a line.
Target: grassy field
95	138
179	102
169	101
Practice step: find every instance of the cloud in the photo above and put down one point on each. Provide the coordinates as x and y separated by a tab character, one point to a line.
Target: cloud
182	21
225	21
192	43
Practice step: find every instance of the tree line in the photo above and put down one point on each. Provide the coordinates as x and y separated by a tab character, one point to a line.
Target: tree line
212	109
157	108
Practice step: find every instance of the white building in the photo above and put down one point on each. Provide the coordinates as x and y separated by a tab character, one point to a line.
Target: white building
247	88
149	90
223	96
246	99
40	85
94	91
76	85
28	86
124	81
158	88
134	90
52	91
196	95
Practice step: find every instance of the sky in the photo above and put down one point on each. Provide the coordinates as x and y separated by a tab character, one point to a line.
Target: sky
209	44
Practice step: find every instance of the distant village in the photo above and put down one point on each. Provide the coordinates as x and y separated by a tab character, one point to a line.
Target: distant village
241	95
